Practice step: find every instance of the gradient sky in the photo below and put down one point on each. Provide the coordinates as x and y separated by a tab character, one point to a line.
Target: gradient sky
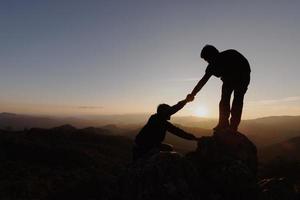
71	57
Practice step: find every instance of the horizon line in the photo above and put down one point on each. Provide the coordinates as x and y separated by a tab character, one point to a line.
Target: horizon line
132	114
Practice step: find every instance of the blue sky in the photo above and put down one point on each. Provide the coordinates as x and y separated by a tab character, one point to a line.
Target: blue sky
114	57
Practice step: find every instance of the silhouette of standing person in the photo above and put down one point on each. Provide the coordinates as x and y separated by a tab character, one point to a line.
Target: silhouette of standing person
149	139
234	70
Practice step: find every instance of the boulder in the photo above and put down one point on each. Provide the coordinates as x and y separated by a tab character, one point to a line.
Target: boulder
224	145
227	162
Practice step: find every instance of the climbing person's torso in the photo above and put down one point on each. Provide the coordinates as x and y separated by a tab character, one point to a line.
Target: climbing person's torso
153	133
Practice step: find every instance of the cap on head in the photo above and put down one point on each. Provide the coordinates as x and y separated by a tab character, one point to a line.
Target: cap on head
163	109
208	52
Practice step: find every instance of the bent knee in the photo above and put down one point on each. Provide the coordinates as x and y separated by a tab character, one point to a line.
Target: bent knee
166	147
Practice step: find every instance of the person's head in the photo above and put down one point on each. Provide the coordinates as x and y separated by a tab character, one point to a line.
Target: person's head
209	53
163	110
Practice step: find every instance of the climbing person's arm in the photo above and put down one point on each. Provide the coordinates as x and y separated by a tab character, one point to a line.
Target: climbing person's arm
175	108
179	132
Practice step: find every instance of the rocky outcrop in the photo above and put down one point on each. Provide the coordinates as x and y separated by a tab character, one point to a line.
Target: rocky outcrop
226	145
224	166
227	161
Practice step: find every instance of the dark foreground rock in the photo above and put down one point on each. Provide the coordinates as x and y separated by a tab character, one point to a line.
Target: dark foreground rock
227	161
166	175
224	166
276	188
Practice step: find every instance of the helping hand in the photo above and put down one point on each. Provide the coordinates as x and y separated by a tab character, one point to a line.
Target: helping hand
190	98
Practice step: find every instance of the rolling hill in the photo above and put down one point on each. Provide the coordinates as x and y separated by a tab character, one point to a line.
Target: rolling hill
61	163
263	131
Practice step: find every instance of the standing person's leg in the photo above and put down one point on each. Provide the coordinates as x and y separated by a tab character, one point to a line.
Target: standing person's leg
224	106
237	106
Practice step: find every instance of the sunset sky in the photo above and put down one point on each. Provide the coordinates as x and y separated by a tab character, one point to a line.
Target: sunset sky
71	57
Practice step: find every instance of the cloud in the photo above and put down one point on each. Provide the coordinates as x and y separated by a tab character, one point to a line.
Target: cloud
276	101
89	107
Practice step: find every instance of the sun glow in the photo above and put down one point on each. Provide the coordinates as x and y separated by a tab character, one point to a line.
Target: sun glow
201	111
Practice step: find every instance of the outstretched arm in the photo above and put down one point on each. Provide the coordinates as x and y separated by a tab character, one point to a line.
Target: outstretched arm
179	132
200	84
174	109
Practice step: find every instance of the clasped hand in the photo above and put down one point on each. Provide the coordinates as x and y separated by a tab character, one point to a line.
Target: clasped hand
190	98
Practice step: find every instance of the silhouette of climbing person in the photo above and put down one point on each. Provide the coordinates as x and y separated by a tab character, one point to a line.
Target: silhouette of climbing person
234	70
149	139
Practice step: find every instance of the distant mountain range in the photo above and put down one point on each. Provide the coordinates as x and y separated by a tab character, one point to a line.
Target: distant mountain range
22	121
289	149
270	130
263	131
